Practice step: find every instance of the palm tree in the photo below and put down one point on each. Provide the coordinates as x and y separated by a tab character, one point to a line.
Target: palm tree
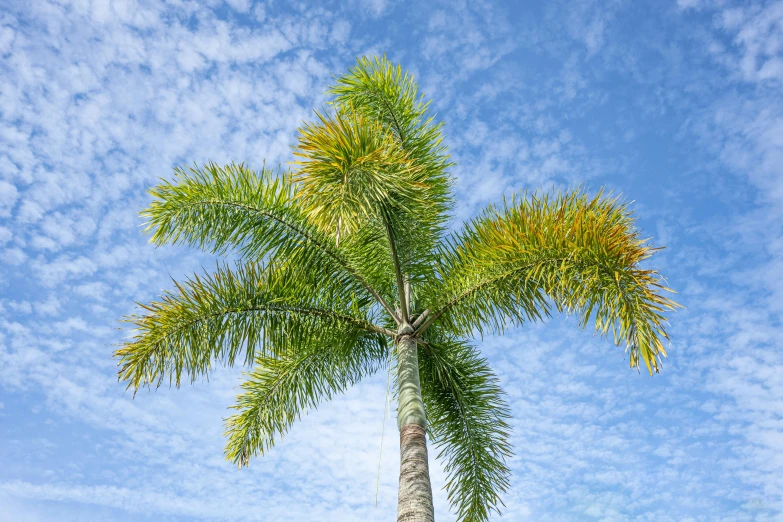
346	266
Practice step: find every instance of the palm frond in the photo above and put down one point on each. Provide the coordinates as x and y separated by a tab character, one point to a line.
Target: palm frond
382	93
368	249
583	255
281	389
252	309
467	417
349	168
223	208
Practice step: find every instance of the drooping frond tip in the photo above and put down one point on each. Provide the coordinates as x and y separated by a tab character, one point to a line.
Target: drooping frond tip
581	254
234	313
468	420
279	390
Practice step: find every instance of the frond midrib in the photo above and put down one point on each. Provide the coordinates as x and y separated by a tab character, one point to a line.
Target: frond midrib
304	310
325	249
478	286
298	363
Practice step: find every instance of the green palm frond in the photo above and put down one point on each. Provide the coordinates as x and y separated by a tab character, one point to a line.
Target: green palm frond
349	169
256	214
281	389
252	309
384	94
583	255
368	249
467	416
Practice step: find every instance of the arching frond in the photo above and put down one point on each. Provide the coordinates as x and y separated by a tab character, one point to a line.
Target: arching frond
583	255
252	310
467	417
234	208
281	389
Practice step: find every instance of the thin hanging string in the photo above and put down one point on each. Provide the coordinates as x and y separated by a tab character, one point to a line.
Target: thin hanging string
383	428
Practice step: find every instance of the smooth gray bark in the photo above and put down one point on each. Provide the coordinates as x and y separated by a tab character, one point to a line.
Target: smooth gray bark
411	408
414	503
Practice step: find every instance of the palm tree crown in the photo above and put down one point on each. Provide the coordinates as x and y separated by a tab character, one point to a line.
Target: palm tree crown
349	253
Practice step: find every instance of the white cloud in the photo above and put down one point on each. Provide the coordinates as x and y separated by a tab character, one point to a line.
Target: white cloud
7	35
21	307
758	31
240	5
8	197
50	307
14	256
374	8
688	4
63	268
97	290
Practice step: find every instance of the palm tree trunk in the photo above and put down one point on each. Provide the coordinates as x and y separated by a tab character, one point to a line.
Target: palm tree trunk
414	503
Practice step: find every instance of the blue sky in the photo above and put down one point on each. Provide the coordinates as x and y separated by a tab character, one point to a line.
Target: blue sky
678	105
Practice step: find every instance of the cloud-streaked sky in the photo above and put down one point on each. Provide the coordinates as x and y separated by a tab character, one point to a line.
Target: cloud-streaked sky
678	105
